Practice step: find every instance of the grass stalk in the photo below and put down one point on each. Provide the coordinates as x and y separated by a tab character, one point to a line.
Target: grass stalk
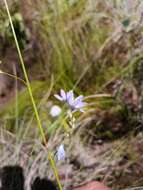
52	162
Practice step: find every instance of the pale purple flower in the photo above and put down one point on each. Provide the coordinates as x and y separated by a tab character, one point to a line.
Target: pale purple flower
61	152
74	103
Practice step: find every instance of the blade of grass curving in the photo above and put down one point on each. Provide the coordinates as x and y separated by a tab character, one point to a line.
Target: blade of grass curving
24	71
52	162
13	76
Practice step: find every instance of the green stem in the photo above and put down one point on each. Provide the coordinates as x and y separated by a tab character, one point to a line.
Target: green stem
53	165
31	96
24	70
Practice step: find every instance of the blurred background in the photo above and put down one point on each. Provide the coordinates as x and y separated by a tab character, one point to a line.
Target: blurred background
91	46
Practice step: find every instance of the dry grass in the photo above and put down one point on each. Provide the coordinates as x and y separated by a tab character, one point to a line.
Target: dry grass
84	45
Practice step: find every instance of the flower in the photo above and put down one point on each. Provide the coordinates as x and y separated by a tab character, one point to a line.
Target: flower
55	111
61	152
74	103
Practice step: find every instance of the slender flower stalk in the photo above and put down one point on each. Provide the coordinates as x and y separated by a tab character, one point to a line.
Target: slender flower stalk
74	105
71	119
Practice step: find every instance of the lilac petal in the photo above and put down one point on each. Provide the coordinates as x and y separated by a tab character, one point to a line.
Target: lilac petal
61	152
78	100
70	97
63	94
58	97
80	105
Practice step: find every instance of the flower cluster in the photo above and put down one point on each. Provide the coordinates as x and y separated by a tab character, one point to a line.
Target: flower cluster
75	104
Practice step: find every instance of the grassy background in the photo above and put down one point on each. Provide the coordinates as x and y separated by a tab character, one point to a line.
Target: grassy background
83	45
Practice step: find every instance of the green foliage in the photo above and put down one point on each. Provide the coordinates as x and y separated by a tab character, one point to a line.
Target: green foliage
73	33
5	29
23	103
80	50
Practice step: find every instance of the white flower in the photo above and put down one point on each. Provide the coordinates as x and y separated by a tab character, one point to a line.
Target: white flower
61	152
55	111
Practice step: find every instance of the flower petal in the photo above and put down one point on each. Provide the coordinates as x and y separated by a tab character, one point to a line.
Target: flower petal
78	100
70	97
58	97
61	152
63	94
80	105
